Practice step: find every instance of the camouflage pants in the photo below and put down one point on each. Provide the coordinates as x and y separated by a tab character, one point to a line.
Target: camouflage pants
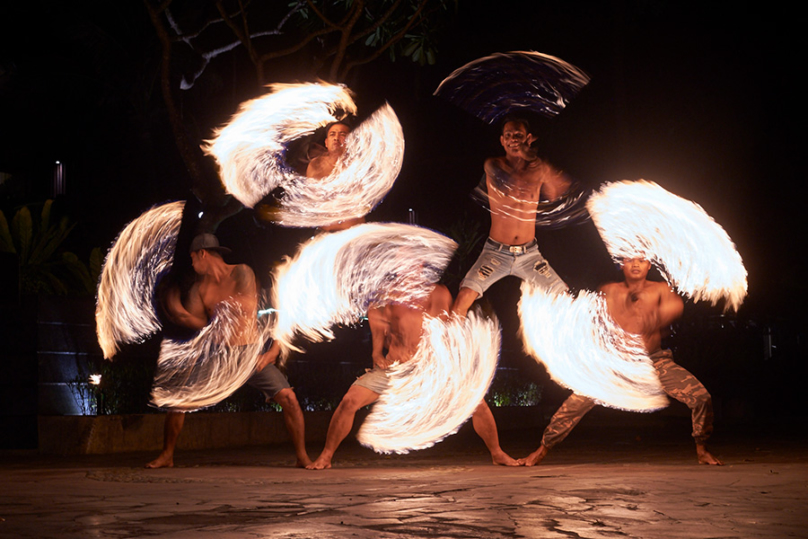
677	382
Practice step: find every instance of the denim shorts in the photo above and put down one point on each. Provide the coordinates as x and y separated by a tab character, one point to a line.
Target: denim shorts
498	260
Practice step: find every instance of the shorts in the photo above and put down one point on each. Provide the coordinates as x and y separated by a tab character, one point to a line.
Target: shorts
270	381
374	379
498	260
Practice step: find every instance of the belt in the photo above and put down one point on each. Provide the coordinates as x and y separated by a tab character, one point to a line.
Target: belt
513	249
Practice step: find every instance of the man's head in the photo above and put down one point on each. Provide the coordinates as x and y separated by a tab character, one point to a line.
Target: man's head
203	246
635	269
335	137
515	133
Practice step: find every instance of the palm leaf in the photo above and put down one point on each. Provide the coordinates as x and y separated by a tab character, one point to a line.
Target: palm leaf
6	243
78	270
22	231
51	241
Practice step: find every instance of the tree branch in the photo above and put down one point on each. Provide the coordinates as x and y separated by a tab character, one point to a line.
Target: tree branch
344	41
203	188
389	43
372	28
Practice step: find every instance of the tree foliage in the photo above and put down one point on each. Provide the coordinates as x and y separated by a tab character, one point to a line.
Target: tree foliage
43	267
328	38
311	39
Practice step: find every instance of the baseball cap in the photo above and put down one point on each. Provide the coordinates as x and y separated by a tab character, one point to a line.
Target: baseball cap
208	242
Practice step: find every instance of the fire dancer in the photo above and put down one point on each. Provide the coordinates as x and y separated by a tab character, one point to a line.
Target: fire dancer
396	328
644	308
322	165
216	282
515	183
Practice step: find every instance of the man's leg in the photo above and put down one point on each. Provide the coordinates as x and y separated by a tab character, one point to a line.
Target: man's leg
681	385
490	266
171	432
270	381
534	268
465	298
293	417
486	428
561	424
341	423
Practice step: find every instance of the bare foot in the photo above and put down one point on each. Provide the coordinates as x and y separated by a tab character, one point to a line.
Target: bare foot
322	463
303	463
501	458
534	458
164	460
705	457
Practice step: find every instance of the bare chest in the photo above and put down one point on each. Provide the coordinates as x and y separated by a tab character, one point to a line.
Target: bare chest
213	295
633	309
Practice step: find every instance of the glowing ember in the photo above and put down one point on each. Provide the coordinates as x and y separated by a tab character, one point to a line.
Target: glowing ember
642	220
434	393
584	350
250	152
206	369
142	253
336	278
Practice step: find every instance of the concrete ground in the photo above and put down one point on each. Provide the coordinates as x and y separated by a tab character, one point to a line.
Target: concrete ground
628	481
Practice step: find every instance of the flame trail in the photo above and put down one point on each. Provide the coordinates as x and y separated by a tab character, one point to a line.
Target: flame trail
190	374
513	82
584	350
250	152
249	149
642	220
336	278
434	393
206	369
142	253
569	209
363	176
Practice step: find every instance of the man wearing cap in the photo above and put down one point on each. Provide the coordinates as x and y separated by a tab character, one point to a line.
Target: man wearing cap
515	183
218	281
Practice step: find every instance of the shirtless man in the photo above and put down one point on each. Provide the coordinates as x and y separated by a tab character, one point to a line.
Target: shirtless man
515	183
321	166
217	282
397	328
644	308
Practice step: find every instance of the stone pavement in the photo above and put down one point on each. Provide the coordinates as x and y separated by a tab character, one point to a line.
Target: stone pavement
600	483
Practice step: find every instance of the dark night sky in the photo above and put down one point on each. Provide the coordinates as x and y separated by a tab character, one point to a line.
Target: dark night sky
700	99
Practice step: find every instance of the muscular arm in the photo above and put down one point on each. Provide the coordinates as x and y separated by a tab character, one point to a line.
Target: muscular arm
246	288
554	182
671	306
379	326
270	356
193	316
440	302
